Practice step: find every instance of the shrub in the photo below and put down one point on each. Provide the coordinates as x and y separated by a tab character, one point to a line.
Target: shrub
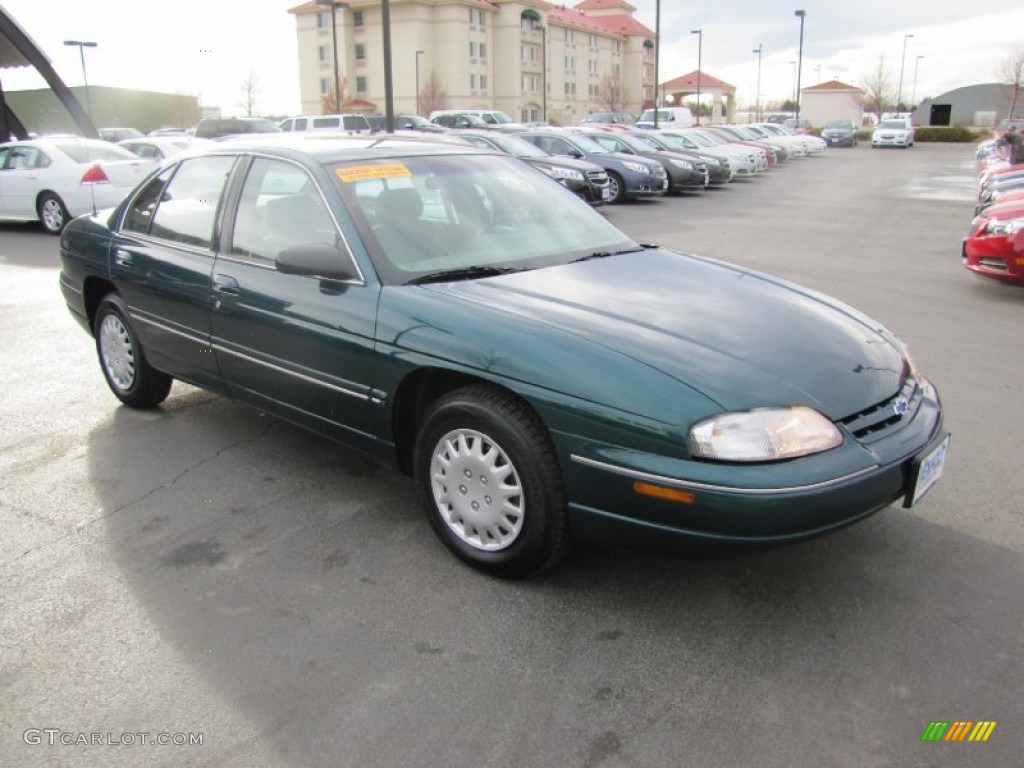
956	133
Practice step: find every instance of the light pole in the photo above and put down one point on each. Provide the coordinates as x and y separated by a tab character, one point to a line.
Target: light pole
334	5
657	54
389	88
757	109
418	54
913	91
903	60
799	63
700	50
543	73
793	64
82	45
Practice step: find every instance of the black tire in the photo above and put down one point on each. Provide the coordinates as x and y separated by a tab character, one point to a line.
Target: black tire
122	359
616	188
477	443
53	214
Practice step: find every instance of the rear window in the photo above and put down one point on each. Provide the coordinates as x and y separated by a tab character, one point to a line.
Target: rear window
356	123
90	153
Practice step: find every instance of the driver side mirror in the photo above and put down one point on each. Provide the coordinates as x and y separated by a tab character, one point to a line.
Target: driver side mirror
317	260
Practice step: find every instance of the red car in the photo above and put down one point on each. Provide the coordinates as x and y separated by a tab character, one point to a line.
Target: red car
994	247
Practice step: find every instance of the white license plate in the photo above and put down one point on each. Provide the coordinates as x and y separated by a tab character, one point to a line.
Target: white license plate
927	472
605	193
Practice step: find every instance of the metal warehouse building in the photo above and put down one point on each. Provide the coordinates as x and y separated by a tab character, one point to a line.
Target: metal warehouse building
980	106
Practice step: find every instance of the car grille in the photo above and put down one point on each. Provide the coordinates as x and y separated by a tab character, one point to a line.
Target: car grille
597	178
990	262
874	422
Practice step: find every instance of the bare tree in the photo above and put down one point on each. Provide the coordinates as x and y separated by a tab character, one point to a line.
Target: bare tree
433	95
327	103
249	89
878	89
1011	72
609	95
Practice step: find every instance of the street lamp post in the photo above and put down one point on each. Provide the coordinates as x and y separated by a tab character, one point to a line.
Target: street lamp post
82	45
657	54
799	62
700	50
389	90
793	64
757	108
418	54
913	90
334	5
903	61
543	74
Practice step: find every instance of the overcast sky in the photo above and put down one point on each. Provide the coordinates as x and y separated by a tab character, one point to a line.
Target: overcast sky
208	47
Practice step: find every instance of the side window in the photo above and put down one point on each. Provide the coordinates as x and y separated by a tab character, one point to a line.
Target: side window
4	152
280	207
556	146
287	124
24	158
326	122
188	205
140	210
608	143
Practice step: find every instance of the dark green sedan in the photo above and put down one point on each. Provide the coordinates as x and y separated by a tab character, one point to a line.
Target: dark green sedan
467	320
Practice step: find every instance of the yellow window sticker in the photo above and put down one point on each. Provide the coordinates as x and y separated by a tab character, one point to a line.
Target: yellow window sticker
364	172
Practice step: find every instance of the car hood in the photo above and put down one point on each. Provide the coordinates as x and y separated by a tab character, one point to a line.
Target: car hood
563	161
741	338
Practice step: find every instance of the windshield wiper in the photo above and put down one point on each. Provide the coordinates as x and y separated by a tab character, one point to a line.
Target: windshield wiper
462	273
606	254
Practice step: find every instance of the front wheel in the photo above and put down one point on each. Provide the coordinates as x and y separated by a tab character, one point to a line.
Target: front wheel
487	476
616	188
122	361
52	213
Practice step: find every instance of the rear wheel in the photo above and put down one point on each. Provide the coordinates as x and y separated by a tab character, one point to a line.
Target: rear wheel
52	213
122	360
487	476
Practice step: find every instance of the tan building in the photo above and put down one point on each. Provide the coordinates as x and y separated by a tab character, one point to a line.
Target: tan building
480	54
831	101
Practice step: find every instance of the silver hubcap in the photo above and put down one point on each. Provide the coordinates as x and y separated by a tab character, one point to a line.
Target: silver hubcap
53	216
477	490
613	188
118	352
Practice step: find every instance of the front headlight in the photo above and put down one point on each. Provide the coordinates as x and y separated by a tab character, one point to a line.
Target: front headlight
636	167
682	164
1007	227
711	161
566	173
763	434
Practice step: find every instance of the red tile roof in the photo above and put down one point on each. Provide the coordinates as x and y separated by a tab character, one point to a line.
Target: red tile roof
599	5
690	81
832	85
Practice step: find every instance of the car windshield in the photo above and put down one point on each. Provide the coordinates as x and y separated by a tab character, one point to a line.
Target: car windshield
500	117
588	145
890	124
644	143
704	140
468	215
91	151
417	121
676	142
847	124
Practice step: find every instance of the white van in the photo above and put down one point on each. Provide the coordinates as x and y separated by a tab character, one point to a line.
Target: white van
346	123
668	117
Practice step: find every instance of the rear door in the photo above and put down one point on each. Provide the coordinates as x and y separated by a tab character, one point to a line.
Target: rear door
162	261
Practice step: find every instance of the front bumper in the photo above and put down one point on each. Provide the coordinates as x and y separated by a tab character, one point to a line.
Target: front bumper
733	505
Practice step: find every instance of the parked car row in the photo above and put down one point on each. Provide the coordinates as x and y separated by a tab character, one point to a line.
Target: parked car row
457	315
994	245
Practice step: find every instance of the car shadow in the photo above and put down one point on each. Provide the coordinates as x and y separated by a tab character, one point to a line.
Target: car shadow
304	583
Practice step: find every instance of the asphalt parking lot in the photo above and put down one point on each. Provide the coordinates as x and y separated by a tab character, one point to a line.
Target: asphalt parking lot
204	570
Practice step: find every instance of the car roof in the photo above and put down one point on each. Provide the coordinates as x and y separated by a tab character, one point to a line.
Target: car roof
336	148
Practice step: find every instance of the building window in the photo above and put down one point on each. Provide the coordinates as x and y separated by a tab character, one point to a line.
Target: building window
326	85
647	71
361	84
570	36
323	21
477	18
360	52
472	82
358	19
323	54
570	89
483	50
570	63
618	46
483	82
594	42
531	53
592	66
472	49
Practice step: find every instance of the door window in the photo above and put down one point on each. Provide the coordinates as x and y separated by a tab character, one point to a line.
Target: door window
188	205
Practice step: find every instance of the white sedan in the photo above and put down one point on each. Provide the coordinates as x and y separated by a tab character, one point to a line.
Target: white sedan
893	133
55	179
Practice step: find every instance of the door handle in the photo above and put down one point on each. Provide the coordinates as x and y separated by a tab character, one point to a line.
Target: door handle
225	284
122	258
